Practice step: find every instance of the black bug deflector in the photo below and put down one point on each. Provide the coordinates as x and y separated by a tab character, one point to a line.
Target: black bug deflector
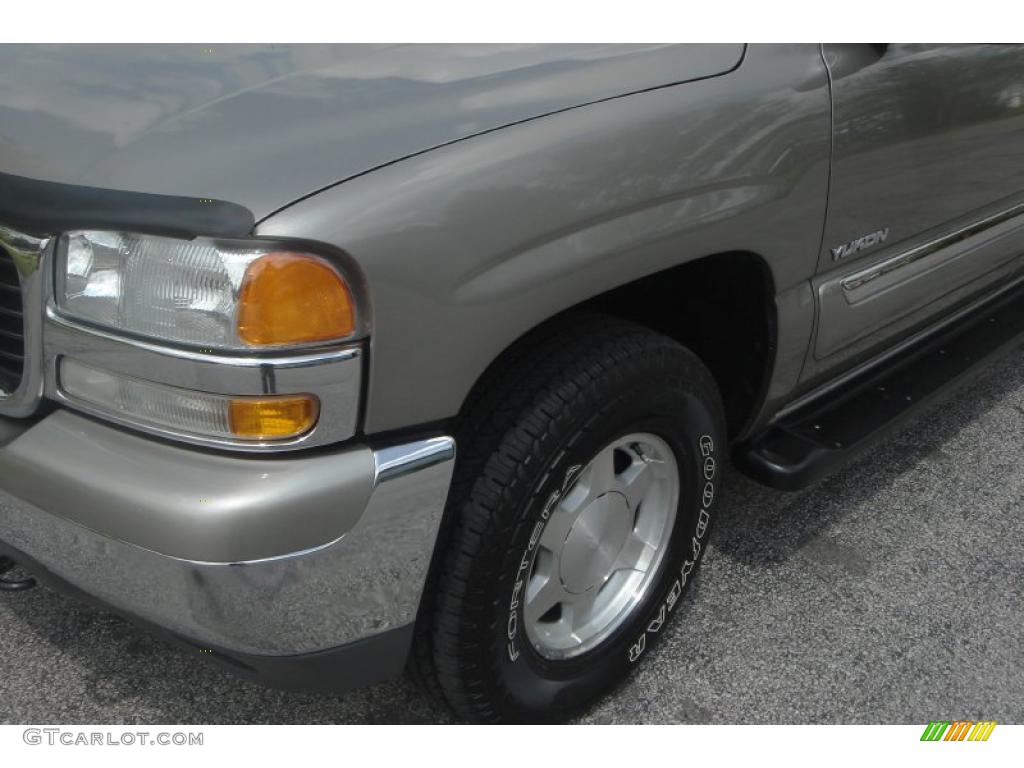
812	441
45	208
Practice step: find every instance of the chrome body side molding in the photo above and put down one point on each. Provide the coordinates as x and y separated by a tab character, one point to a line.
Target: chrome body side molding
907	258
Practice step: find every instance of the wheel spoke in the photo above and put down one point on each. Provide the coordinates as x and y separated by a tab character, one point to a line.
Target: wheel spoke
598	477
581	607
633	552
557	529
635	482
542	594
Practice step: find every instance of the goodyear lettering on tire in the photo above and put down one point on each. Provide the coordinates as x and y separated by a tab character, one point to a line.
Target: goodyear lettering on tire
706	446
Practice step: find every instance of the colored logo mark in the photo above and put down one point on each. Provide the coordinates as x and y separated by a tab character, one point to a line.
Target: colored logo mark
958	730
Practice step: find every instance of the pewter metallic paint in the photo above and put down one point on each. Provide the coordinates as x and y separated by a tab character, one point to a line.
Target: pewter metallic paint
482	190
182	502
468	246
485	188
928	139
264	125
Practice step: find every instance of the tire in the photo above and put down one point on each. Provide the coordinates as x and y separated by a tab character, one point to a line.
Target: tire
551	413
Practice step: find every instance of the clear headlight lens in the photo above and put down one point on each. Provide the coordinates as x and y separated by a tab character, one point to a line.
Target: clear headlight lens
202	292
263	418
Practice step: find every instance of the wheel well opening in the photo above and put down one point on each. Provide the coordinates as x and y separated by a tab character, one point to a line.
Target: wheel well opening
720	307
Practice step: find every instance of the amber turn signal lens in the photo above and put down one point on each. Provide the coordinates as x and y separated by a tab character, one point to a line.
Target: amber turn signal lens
273	418
293	298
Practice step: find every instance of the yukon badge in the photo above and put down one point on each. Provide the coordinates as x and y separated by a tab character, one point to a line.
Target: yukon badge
860	244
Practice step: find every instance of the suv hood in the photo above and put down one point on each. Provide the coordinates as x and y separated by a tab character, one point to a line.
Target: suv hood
265	125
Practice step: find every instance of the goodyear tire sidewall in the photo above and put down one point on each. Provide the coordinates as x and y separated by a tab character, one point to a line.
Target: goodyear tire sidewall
681	417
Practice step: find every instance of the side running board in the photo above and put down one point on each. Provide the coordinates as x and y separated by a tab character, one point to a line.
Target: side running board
826	433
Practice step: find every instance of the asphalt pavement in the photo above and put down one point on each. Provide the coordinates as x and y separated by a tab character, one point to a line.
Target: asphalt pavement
891	592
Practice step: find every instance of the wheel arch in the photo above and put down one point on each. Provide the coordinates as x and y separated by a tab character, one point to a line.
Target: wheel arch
721	307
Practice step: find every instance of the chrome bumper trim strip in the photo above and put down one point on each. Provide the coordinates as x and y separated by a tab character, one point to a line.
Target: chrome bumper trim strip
400	460
859	279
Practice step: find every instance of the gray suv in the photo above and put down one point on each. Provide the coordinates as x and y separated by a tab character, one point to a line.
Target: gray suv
330	361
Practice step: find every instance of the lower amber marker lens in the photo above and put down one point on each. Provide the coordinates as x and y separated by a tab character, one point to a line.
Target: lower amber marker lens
273	418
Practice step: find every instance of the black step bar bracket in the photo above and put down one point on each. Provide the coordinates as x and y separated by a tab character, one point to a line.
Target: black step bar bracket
809	443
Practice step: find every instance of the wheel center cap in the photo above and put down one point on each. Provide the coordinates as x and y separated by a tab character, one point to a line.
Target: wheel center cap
594	542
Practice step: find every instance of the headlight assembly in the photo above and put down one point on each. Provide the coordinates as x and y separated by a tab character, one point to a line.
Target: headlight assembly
205	293
251	345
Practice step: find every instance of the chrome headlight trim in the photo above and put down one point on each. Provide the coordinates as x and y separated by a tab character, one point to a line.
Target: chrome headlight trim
334	375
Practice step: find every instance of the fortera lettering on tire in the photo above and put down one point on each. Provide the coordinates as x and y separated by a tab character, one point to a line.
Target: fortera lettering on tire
527	558
536	361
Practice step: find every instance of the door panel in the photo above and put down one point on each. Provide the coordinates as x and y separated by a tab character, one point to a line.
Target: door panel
928	151
924	279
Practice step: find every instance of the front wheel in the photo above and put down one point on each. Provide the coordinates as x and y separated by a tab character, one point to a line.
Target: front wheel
581	506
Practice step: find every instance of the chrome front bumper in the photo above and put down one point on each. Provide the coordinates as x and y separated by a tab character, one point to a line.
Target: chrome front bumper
255	556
